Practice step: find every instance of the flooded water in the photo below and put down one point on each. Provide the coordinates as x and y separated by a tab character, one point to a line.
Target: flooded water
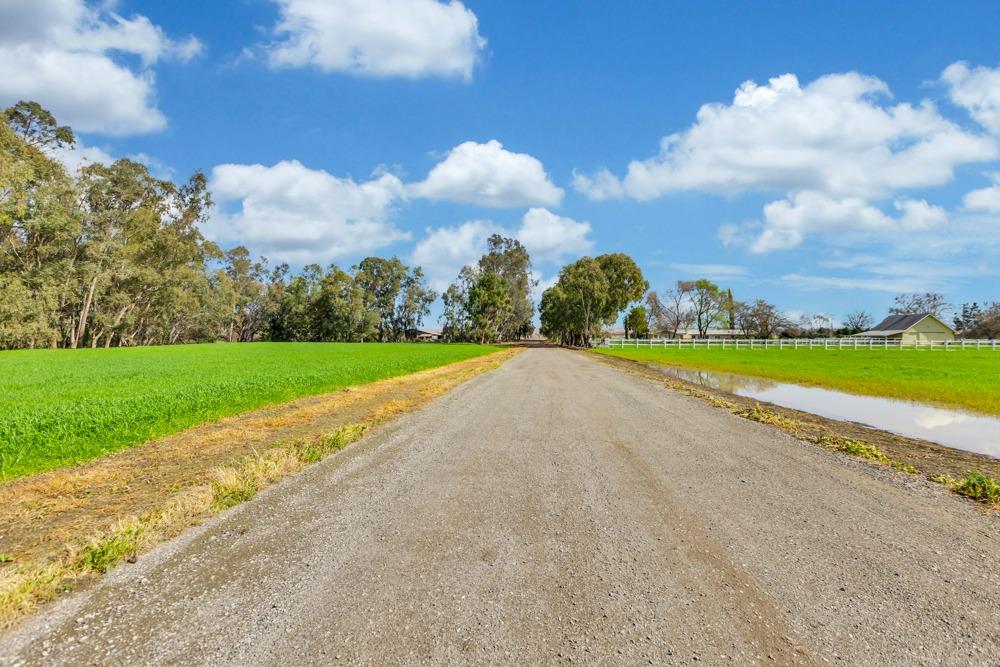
954	428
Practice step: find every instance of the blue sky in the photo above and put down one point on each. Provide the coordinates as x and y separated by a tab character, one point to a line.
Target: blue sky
846	153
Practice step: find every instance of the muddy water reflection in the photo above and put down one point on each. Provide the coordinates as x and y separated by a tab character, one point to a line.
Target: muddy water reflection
954	428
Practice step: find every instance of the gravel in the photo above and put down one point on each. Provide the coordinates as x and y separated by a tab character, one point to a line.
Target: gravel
557	510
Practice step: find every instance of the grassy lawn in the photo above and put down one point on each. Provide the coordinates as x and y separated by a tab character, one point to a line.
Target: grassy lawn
59	407
966	379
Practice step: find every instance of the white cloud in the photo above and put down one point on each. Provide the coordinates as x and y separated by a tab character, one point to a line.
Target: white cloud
714	271
787	222
873	284
409	38
295	214
60	54
445	250
984	199
551	238
598	186
79	155
548	238
977	91
489	175
834	135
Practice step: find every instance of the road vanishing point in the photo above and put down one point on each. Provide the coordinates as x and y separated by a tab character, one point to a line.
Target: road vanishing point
557	510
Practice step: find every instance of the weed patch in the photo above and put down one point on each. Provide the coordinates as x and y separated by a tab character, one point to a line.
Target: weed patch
759	414
979	487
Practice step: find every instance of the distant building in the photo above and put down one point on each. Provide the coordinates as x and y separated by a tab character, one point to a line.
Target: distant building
915	328
423	334
711	332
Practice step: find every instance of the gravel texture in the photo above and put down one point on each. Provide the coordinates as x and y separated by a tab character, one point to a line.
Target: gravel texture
558	510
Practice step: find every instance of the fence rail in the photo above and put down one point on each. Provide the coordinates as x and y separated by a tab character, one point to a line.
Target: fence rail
800	343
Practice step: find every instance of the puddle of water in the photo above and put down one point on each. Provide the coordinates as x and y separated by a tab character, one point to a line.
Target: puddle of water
954	428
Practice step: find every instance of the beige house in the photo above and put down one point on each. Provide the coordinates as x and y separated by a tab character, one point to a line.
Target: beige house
910	329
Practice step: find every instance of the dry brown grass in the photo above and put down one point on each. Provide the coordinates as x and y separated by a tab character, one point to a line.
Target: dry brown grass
60	529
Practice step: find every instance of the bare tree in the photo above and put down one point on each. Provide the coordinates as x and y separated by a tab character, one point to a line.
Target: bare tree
859	320
913	304
677	313
759	319
655	310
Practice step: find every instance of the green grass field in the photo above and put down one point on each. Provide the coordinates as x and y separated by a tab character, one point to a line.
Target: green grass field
59	407
965	379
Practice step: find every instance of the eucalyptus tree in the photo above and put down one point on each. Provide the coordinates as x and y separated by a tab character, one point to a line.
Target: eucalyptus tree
590	293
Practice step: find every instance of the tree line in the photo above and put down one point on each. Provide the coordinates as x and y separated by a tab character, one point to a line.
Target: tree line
114	256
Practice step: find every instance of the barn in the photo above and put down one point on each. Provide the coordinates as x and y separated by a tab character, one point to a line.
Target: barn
911	328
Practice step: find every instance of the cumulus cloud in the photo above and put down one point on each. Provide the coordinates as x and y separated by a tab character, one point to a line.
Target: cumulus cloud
80	155
984	199
835	135
445	250
552	238
713	271
408	38
548	238
600	185
295	214
489	175
788	221
61	54
977	90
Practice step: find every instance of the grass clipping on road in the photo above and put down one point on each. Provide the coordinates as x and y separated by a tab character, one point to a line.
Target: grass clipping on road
62	528
842	437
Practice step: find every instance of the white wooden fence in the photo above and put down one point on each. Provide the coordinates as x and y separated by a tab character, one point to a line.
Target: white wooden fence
799	343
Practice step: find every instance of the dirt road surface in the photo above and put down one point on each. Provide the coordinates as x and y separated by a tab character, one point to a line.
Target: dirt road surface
558	510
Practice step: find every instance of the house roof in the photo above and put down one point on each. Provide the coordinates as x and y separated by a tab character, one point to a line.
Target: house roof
896	324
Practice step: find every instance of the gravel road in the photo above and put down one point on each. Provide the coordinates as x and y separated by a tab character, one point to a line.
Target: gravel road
553	510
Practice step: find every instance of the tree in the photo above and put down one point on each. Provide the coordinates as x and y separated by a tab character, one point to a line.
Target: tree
381	281
625	284
914	304
731	306
457	325
413	304
677	313
37	126
979	322
857	321
759	320
508	259
490	307
590	293
987	323
968	317
708	303
637	323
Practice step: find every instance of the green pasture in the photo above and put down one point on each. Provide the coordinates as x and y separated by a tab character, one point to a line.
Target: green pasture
59	407
959	378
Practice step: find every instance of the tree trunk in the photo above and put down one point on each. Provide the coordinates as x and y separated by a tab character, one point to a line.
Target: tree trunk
84	313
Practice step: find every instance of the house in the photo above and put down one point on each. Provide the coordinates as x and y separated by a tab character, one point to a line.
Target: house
911	329
712	333
424	334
